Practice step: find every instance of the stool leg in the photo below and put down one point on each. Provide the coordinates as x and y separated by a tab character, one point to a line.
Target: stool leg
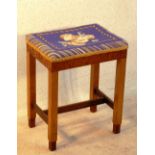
52	108
119	95
94	82
31	89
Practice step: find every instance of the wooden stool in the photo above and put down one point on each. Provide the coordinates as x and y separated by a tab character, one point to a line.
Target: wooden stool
68	48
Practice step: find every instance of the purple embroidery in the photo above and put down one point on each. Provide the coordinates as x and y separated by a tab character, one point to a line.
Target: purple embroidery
85	36
75	41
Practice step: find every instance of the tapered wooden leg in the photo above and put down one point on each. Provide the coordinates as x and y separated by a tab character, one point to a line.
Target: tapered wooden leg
119	95
94	82
31	89
52	108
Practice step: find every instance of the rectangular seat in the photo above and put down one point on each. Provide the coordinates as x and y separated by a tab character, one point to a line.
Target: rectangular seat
89	42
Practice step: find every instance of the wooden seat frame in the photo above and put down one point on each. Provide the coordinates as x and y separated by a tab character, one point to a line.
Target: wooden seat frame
96	96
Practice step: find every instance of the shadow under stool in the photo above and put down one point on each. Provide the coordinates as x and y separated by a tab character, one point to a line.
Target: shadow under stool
68	48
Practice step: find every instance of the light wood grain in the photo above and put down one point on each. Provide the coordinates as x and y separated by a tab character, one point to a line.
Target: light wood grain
119	91
52	106
54	66
94	83
31	88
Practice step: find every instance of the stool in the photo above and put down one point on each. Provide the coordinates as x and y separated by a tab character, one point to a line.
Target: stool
68	48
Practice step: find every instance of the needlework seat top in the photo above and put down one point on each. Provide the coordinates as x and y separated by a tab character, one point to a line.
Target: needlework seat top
64	43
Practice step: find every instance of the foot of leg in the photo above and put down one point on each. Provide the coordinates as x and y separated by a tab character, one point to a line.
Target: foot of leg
31	123
116	128
93	109
52	146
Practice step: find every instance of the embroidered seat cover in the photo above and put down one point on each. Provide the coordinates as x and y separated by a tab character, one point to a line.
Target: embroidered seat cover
75	41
